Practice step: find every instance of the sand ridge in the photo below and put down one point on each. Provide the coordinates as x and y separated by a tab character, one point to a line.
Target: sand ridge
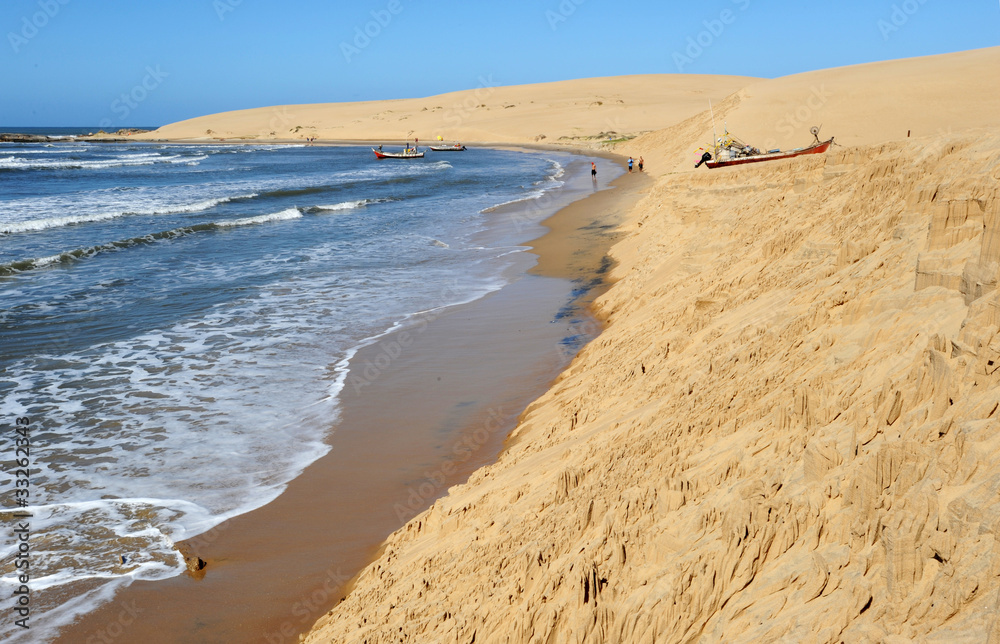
568	112
788	431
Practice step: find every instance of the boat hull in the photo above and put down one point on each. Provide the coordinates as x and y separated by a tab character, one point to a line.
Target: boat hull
395	155
816	148
449	148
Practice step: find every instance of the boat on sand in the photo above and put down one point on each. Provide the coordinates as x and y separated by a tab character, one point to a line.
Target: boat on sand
729	150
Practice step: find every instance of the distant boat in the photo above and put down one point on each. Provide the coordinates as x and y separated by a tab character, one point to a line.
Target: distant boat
409	153
731	151
458	147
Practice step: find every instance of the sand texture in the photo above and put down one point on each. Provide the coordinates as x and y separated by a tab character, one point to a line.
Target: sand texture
790	428
576	111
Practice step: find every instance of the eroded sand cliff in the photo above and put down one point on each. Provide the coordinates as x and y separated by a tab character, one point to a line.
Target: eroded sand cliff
789	430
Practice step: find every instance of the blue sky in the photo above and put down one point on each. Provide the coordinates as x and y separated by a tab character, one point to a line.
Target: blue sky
120	62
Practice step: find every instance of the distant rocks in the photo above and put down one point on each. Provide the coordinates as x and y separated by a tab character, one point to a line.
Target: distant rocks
23	138
7	137
120	135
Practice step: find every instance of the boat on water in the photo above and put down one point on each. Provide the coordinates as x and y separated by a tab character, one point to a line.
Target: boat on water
407	153
729	150
458	147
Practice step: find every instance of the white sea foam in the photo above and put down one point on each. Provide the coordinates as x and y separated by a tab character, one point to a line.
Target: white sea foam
550	182
284	215
52	150
34	214
47	629
347	205
197	206
46	261
351	205
534	194
126	208
14	163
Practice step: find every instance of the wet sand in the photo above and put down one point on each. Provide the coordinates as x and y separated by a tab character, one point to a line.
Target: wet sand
422	409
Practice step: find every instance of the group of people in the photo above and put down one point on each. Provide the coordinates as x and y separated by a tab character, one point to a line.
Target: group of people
593	167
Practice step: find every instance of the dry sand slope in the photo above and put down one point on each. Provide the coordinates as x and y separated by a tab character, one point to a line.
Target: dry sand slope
789	430
929	98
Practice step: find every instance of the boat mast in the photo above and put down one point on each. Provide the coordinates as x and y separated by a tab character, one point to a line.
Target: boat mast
715	136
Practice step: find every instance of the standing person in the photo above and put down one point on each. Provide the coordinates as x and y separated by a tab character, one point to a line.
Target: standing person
630	164
640	164
593	171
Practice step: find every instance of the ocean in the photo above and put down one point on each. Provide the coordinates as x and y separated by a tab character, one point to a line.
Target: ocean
176	321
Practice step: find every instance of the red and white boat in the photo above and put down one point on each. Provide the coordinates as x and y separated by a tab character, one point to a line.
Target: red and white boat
731	151
408	153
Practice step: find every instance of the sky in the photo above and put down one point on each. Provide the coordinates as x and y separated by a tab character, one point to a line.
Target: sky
118	63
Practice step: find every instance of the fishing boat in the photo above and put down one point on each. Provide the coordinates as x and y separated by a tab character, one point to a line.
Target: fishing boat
458	147
729	150
408	153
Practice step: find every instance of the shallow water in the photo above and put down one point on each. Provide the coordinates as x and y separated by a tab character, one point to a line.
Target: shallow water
176	321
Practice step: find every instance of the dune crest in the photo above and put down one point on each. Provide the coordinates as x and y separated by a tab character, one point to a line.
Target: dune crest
789	430
580	112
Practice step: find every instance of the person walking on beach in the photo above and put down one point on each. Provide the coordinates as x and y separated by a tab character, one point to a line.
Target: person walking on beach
640	164
593	171
630	164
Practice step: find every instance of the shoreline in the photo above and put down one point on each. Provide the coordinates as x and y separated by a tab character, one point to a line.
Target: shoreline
233	550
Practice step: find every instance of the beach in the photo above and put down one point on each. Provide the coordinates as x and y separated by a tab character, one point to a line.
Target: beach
422	407
756	403
787	430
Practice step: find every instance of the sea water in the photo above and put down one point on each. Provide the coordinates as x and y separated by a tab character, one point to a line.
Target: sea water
176	322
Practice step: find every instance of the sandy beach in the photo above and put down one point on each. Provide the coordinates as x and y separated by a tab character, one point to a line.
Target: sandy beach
786	431
424	407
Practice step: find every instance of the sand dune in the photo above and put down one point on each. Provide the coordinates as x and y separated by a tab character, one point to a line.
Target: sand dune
789	430
567	111
931	99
